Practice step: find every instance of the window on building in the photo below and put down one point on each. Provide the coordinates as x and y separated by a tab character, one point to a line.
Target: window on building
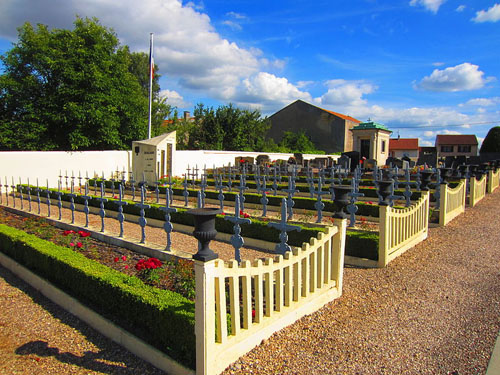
464	148
446	148
383	147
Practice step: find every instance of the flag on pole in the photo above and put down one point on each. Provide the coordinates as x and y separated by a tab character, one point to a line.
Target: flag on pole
151	59
151	74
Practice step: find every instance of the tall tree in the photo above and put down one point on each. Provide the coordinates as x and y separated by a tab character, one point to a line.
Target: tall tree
71	90
298	142
491	142
228	128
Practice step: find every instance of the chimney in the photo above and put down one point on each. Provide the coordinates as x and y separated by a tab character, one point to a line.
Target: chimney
187	115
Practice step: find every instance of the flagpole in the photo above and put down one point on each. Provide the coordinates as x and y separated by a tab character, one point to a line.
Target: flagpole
151	70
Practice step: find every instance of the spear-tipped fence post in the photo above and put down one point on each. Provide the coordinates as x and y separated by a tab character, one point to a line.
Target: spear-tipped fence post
72	195
59	202
38	201
142	219
21	193
13	190
102	200
48	199
120	203
168	224
86	197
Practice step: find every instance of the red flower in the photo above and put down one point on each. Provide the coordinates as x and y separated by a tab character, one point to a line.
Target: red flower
71	244
117	259
151	263
124	257
79	245
126	267
370	202
83	233
67	232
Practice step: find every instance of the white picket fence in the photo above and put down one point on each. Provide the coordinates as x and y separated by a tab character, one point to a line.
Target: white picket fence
493	180
401	229
256	300
477	190
452	202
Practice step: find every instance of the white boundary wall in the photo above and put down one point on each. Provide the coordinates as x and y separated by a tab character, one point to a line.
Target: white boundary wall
46	165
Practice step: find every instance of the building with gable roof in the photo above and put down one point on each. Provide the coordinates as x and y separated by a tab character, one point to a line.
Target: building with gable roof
400	147
328	130
456	145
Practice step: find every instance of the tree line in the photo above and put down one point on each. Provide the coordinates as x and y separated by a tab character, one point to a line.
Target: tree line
81	90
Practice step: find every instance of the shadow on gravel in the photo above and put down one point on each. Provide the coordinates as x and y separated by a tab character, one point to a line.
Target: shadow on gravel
108	350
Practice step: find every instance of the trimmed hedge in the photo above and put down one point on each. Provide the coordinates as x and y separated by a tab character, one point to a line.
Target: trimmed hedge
163	318
362	244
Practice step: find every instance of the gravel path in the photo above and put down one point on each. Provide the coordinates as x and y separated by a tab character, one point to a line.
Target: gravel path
434	310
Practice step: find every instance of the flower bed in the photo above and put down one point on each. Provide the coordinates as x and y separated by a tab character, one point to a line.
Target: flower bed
102	277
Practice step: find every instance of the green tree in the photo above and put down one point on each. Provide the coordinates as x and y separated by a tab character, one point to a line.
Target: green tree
139	67
228	128
492	141
298	142
72	90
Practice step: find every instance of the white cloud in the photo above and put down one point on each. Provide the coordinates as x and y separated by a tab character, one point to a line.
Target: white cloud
187	47
233	25
460	8
346	93
174	98
482	102
266	91
235	15
432	5
462	77
490	15
438	63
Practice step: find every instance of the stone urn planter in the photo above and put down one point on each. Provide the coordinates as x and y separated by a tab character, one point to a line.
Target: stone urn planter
341	200
445	174
384	189
425	180
204	231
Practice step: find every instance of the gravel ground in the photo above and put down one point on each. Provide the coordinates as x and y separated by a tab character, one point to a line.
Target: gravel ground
433	310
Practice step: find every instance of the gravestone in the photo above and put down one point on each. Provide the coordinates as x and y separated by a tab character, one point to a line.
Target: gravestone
354	156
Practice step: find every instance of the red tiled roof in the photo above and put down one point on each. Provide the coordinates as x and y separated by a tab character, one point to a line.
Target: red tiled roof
345	117
403	144
456	139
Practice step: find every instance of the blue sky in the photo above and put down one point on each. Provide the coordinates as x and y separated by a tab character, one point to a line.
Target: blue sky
421	67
